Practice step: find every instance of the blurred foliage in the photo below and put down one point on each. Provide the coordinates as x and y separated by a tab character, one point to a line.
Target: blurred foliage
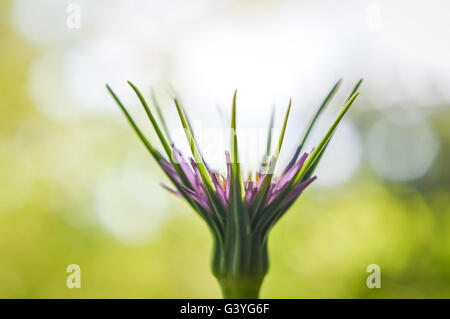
322	247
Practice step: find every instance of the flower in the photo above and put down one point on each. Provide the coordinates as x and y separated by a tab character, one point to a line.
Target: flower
239	212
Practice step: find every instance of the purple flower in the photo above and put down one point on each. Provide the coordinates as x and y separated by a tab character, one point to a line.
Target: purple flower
196	189
240	212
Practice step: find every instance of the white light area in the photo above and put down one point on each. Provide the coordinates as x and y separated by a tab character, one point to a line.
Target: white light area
154	23
110	60
46	89
283	48
268	59
76	64
131	205
421	40
401	150
64	87
43	22
406	57
208	49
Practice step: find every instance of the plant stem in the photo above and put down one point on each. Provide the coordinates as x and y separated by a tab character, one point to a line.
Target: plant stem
235	288
240	275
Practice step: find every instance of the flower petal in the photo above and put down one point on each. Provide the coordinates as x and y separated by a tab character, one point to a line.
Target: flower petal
171	190
184	165
219	190
287	177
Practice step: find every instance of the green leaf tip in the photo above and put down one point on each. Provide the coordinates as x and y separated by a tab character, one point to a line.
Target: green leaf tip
265	159
313	121
133	124
355	88
233	140
193	145
152	119
160	115
283	130
323	143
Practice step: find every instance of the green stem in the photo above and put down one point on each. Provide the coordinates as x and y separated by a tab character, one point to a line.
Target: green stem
240	288
244	281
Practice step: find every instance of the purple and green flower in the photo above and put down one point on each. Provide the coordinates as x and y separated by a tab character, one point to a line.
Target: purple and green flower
239	212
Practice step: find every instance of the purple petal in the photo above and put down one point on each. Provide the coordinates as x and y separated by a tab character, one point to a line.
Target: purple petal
298	189
184	165
171	190
249	191
260	180
170	170
198	182
219	190
295	192
292	172
198	198
227	186
272	194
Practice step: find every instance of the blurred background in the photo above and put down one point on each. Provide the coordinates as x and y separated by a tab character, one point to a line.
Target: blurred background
77	187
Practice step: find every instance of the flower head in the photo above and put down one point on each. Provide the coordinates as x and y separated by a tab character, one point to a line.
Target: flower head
239	212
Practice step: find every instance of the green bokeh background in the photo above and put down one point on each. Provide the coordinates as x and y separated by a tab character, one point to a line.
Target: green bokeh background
320	249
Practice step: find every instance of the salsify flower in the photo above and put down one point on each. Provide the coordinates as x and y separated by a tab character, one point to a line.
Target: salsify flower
239	212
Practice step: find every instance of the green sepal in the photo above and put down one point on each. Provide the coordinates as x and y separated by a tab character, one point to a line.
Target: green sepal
311	125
